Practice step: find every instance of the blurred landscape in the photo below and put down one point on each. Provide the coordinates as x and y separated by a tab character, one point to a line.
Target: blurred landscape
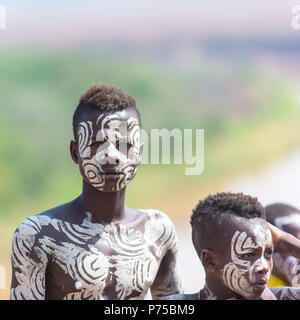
236	77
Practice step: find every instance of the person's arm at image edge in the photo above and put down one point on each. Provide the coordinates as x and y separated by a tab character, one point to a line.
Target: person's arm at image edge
28	266
167	281
285	242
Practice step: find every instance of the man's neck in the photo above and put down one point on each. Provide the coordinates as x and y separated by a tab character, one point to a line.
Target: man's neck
214	291
103	206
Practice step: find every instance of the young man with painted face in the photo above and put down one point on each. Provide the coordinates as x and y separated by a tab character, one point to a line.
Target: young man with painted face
234	242
286	269
95	247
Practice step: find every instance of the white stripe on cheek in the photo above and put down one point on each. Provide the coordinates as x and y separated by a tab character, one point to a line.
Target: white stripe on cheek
85	132
234	272
263	238
241	244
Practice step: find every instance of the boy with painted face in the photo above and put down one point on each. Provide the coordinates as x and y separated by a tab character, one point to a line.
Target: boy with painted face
286	269
95	247
235	245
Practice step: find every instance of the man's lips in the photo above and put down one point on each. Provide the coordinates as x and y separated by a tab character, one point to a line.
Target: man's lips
111	172
260	284
111	175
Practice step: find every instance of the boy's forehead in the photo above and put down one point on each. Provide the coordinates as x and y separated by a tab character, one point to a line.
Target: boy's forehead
256	228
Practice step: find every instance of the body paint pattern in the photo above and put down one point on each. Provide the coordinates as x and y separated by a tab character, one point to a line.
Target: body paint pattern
109	130
207	294
101	262
286	293
293	218
288	265
234	273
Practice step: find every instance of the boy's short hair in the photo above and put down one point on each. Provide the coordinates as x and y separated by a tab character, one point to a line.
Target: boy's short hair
277	210
105	98
209	215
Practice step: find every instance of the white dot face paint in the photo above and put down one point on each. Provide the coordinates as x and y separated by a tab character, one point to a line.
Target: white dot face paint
110	153
251	262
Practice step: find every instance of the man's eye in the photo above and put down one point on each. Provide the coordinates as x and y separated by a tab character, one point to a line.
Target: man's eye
269	253
97	143
247	255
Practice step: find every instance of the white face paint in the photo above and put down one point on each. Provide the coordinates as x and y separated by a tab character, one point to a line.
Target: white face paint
240	275
117	143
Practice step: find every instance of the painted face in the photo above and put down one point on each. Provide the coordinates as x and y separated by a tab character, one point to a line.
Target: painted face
109	150
251	261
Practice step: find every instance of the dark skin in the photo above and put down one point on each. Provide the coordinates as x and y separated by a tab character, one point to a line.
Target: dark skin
238	262
284	244
287	256
216	260
106	209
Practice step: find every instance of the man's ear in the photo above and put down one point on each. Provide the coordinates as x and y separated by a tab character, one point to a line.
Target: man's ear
74	151
209	260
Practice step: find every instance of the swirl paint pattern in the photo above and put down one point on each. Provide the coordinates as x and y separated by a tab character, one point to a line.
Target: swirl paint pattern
110	129
93	256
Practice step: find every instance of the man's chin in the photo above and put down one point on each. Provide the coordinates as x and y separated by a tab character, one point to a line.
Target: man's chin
110	186
254	294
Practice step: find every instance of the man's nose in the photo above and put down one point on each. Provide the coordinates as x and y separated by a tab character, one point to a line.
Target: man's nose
112	154
262	267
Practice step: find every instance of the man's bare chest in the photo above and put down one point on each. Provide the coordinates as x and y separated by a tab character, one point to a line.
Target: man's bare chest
102	262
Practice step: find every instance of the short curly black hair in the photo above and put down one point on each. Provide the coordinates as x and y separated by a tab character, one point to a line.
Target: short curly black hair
210	213
105	98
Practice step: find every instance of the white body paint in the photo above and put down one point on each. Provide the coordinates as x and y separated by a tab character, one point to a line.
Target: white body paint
207	293
93	256
235	271
290	219
114	129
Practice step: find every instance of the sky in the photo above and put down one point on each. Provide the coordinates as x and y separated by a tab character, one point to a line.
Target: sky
73	22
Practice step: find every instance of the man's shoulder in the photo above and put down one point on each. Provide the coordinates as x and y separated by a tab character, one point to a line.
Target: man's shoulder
159	228
192	296
155	215
286	293
35	223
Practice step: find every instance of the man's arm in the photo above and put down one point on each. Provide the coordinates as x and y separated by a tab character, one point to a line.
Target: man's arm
286	293
167	281
29	264
284	242
287	268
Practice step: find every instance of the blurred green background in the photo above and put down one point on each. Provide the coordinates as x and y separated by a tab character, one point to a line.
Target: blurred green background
245	99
